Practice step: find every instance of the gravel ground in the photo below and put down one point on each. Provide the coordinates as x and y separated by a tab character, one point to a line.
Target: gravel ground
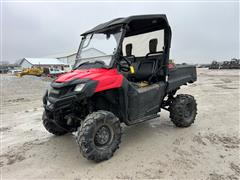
209	149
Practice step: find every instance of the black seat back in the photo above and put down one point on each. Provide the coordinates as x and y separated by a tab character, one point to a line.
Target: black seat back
153	45
145	70
129	49
148	65
129	55
158	57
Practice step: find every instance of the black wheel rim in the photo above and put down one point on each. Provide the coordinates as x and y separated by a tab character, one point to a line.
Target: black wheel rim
103	136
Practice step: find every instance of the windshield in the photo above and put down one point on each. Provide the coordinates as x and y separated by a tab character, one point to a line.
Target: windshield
98	47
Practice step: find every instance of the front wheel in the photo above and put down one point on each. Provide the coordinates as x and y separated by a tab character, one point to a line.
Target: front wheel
99	136
183	110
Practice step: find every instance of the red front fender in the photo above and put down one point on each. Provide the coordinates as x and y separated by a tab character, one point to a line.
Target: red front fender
106	78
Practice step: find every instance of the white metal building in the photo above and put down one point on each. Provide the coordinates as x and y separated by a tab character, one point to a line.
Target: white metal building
70	58
67	58
42	62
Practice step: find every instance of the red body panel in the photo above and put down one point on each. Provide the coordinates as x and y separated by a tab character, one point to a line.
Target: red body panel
107	78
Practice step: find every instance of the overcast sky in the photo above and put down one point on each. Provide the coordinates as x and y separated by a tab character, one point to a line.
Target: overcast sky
202	32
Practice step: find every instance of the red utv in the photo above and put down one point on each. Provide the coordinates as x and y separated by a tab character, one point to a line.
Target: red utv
121	75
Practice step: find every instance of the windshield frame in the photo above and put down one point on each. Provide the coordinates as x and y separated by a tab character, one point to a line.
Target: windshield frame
113	56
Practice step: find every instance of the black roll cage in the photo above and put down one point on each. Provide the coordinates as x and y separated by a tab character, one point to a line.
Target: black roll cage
135	25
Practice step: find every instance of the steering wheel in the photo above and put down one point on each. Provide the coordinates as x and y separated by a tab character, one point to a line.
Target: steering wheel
124	68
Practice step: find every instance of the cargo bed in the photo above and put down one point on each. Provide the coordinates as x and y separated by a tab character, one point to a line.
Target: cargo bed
181	75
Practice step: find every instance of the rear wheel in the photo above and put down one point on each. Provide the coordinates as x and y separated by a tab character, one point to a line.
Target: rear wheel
51	127
99	136
183	110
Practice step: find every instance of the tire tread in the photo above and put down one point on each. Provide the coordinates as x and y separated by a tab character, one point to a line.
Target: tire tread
177	110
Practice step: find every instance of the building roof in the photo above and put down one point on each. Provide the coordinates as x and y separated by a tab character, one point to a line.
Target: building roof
9	65
43	61
62	55
66	55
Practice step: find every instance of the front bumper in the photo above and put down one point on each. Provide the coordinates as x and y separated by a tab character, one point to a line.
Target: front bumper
55	104
58	108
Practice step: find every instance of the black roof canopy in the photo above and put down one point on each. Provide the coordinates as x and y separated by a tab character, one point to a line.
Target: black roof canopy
135	24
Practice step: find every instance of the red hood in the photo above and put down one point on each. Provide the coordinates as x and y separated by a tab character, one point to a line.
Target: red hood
107	78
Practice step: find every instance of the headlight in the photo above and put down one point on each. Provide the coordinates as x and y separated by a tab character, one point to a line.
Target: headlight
54	91
79	87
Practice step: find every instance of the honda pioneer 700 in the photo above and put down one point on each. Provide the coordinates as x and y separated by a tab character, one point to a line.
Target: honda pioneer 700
122	74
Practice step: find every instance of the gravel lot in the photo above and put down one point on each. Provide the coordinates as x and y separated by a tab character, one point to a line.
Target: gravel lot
155	149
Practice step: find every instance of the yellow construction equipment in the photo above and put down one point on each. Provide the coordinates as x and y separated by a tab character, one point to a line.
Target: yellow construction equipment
35	71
